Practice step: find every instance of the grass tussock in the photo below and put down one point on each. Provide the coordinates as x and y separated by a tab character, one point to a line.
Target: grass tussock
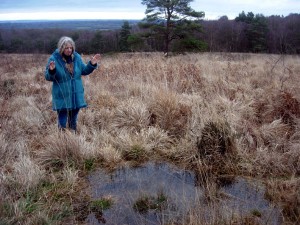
217	148
225	114
131	116
27	173
169	113
63	149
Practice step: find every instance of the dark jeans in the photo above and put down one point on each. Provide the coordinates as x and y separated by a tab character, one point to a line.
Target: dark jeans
69	116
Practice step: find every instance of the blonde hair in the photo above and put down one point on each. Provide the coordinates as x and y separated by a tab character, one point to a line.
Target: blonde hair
63	41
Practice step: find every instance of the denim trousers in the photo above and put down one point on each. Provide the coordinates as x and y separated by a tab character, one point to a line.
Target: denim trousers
67	115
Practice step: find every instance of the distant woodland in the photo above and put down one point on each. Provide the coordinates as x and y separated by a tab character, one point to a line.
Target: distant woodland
246	33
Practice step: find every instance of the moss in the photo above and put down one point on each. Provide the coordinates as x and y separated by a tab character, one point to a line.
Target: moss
101	204
145	203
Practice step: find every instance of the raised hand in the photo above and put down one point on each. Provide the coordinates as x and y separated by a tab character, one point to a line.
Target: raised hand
95	59
52	65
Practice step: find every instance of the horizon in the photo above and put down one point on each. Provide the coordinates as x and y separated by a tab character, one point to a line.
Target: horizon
232	17
53	10
111	19
53	20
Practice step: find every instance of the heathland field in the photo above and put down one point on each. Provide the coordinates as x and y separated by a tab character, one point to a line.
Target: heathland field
216	114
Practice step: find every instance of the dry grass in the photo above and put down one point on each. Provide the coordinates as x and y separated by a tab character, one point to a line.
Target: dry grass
240	109
286	193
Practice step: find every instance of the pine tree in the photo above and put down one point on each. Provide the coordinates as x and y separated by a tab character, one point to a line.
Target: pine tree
256	30
124	34
171	19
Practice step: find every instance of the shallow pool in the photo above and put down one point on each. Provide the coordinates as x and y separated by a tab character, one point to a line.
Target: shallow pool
183	196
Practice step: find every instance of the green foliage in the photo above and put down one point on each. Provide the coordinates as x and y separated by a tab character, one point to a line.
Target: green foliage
6	209
89	164
124	34
135	42
171	19
97	42
30	203
256	212
256	30
136	152
101	204
161	198
258	33
1	43
142	205
190	45
245	18
145	203
16	45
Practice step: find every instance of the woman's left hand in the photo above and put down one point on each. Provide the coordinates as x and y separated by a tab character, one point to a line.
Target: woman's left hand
95	59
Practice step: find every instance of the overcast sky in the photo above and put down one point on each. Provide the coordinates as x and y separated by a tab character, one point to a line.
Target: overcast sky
133	9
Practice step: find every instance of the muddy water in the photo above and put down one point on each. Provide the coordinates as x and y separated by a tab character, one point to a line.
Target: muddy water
239	197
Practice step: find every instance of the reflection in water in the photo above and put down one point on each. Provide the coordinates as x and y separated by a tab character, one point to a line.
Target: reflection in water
125	186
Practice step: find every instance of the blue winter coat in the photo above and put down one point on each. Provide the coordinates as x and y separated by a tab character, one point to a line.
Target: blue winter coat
67	89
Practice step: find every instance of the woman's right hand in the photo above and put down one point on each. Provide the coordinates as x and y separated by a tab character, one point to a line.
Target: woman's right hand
52	65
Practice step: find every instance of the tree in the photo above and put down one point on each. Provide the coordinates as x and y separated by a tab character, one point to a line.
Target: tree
97	42
171	19
1	43
256	30
190	44
257	33
135	42
16	45
292	26
245	18
124	34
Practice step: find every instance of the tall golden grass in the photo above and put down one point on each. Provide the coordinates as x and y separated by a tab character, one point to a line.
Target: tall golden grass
144	106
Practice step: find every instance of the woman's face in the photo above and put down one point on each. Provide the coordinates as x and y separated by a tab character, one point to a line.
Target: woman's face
68	49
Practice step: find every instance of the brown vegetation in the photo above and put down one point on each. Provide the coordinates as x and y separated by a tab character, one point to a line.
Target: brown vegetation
240	108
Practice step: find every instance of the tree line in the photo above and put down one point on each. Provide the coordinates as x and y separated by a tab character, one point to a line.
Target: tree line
248	32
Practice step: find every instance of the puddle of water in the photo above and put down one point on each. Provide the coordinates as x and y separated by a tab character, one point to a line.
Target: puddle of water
126	185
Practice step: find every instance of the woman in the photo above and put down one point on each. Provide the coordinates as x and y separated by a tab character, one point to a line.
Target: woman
64	69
